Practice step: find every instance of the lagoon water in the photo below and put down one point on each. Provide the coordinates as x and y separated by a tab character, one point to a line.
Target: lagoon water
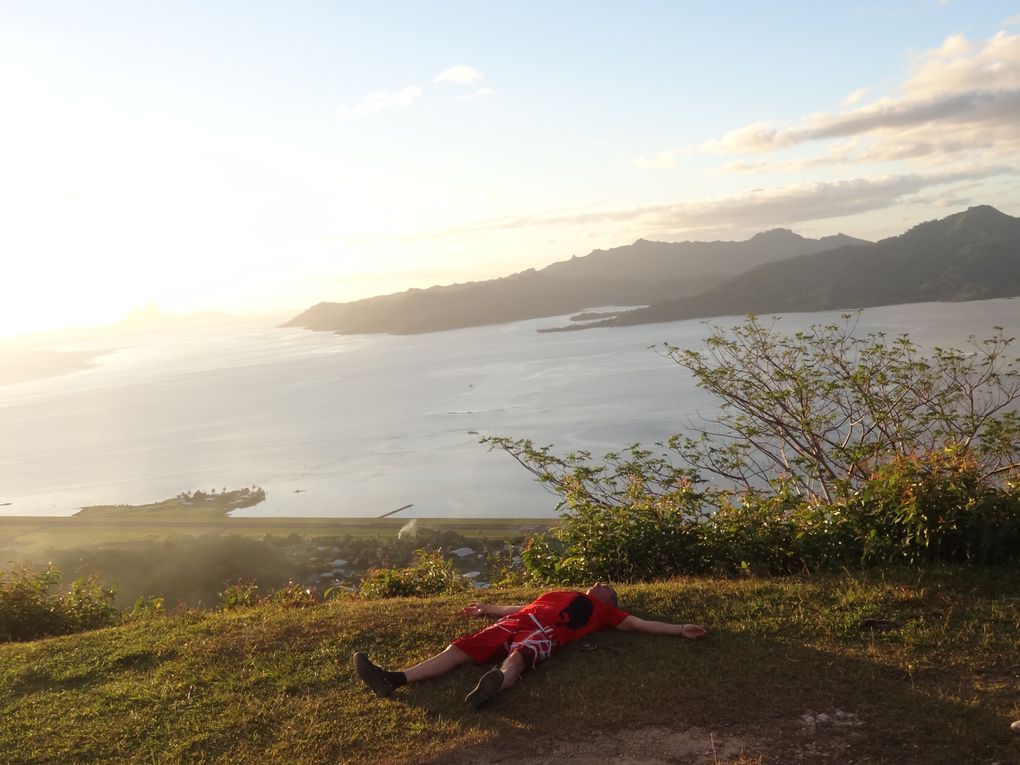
336	425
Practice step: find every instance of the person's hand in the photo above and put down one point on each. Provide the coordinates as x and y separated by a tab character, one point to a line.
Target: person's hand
693	631
474	609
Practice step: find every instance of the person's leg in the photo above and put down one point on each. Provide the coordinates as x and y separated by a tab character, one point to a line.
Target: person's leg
482	646
513	667
384	682
439	664
496	680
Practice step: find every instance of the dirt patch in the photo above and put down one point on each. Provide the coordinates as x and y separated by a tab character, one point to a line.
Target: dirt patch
635	746
812	737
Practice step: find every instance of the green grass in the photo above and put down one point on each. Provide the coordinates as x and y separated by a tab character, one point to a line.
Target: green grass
274	684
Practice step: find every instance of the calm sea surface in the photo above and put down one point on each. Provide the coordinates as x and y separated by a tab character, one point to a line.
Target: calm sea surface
337	425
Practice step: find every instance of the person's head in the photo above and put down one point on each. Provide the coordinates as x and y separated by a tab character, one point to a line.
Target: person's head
604	593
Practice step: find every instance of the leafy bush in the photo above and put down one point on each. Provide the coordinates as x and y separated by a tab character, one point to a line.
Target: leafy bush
147	607
294	595
830	449
430	574
89	605
28	610
758	534
936	507
824	409
239	594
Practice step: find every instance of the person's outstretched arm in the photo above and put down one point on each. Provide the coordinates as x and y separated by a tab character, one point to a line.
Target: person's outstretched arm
485	609
635	624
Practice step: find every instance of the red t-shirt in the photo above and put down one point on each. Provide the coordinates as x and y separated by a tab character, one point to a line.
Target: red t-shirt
572	615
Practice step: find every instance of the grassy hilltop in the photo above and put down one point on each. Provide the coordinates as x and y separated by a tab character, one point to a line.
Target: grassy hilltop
786	676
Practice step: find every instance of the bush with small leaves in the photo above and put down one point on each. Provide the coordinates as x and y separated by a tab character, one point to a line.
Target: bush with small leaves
429	574
147	607
89	605
239	595
829	449
29	610
294	595
936	507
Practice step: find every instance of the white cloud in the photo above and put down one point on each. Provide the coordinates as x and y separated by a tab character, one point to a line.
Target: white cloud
987	107
382	100
461	74
1011	22
480	93
664	159
854	98
957	100
958	67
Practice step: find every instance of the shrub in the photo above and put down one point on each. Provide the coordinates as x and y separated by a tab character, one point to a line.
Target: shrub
89	605
936	507
430	574
505	567
239	594
28	610
147	607
294	595
757	534
826	409
831	450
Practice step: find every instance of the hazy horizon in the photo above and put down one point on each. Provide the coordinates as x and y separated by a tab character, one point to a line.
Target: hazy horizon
261	160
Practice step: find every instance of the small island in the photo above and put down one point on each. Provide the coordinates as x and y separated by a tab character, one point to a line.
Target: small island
195	503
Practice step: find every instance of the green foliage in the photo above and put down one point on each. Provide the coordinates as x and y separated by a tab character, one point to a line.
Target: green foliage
239	594
937	507
89	605
29	610
430	574
294	595
831	450
824	409
757	535
505	567
147	607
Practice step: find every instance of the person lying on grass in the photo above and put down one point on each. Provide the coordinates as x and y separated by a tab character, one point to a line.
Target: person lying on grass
524	635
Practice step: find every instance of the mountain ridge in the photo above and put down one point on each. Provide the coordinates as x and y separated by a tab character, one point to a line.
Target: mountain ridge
974	254
642	273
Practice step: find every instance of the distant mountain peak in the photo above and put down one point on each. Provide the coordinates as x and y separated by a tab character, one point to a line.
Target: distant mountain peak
983	213
983	219
775	233
841	239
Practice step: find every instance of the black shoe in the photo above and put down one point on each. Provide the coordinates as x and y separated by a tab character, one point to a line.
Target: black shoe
372	676
487	687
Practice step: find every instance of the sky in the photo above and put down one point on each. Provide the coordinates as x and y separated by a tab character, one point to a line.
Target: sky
251	157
